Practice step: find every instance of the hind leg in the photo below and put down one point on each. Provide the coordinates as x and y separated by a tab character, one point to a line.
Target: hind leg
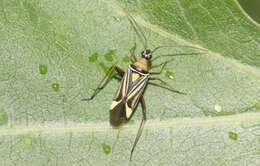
139	133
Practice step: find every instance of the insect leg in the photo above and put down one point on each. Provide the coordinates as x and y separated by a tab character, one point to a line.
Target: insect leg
132	53
120	71
106	80
164	85
141	125
161	66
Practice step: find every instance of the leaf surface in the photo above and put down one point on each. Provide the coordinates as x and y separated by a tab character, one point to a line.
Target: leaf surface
53	53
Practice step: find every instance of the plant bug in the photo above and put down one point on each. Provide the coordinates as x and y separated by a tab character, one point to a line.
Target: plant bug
133	83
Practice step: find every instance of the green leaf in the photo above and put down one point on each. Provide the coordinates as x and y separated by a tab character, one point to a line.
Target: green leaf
53	53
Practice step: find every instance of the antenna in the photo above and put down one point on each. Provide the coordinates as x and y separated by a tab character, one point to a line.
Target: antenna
138	30
187	46
140	33
177	54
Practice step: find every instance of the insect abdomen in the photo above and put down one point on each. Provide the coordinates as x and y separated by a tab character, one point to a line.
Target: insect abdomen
117	113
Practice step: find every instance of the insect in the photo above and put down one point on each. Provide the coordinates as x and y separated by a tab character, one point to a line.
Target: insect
133	83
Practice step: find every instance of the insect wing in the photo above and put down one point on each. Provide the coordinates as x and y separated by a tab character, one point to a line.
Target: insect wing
117	111
136	91
127	97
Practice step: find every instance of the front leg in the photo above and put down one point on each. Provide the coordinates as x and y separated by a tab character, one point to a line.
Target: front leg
161	66
109	75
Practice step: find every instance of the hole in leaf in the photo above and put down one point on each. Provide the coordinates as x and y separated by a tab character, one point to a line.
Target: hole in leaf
55	87
232	135
43	69
109	55
93	58
106	148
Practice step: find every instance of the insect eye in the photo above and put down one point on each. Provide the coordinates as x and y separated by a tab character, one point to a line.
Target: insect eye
147	54
148	51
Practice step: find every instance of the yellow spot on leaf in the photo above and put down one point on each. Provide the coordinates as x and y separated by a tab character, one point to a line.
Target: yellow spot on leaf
217	108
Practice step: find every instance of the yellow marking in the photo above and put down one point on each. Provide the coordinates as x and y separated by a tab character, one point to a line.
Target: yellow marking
114	103
135	76
128	111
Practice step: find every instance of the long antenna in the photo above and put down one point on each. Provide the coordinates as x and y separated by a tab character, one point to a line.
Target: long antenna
138	30
177	54
187	46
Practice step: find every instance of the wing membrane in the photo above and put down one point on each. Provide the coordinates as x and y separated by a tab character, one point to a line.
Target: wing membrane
129	92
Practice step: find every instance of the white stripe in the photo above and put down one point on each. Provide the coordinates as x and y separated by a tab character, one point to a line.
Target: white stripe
124	89
142	80
132	93
143	74
114	103
128	111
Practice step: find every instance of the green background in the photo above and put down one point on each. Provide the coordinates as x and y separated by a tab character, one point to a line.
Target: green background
53	53
252	7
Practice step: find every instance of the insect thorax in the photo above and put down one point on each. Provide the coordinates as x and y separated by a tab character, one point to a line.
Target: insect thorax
138	70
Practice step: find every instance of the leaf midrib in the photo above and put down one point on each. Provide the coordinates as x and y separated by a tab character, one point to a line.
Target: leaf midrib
245	120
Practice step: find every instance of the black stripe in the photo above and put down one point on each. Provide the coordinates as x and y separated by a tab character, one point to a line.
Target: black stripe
137	84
